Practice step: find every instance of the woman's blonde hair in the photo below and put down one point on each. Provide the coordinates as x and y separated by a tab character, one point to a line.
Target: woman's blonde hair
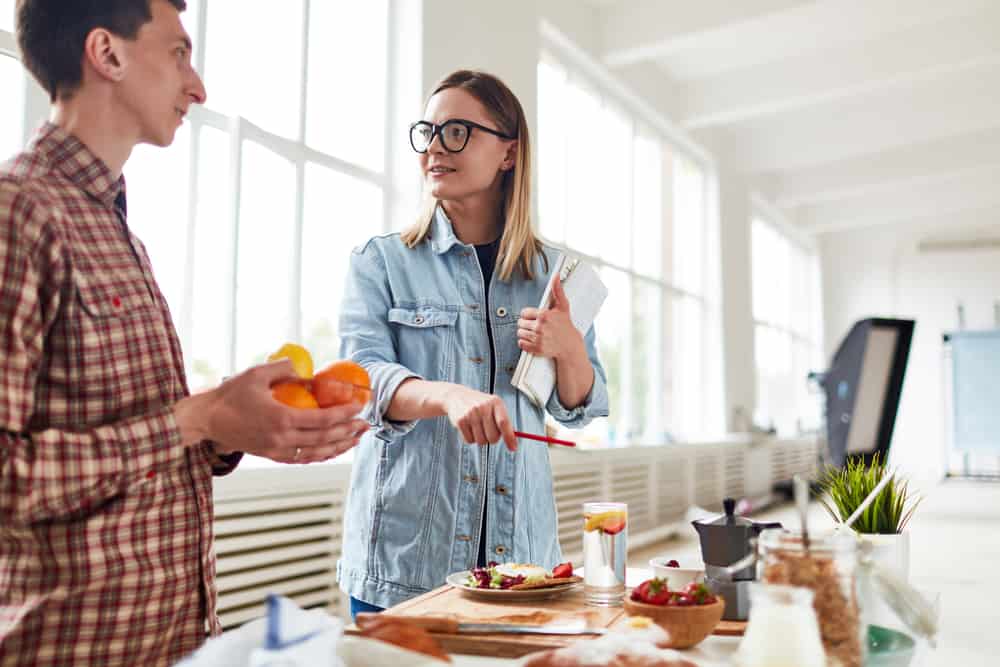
518	246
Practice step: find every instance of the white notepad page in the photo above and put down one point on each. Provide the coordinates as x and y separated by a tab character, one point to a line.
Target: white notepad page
535	376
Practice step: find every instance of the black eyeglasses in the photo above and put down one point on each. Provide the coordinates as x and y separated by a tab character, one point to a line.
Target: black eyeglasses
454	134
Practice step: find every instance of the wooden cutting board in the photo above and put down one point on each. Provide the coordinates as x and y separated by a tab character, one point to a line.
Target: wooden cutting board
450	601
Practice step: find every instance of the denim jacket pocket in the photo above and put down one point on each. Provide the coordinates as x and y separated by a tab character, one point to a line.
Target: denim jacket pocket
426	339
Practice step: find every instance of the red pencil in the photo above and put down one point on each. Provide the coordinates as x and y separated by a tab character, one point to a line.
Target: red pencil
544	438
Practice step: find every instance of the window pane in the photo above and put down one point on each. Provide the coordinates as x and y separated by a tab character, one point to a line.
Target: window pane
552	147
689	227
12	110
7	15
688	376
613	348
647	248
265	265
340	213
189	17
347	81
253	65
610	204
775	390
647	390
157	190
209	357
585	230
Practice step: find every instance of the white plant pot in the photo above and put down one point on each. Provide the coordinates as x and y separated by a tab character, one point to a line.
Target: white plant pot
893	553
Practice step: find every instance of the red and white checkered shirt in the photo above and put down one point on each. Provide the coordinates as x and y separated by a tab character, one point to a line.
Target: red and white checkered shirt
105	517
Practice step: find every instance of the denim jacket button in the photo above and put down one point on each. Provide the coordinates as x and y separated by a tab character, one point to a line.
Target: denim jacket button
500	550
501	312
418	320
476	360
502	490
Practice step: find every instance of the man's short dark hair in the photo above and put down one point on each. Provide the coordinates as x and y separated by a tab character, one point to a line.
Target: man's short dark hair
51	35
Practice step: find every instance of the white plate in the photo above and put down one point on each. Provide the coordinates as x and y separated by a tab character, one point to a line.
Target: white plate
458	579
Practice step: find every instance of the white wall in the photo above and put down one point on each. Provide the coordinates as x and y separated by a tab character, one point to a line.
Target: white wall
879	271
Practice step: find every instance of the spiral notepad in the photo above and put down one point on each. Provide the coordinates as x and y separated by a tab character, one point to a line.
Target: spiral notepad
535	376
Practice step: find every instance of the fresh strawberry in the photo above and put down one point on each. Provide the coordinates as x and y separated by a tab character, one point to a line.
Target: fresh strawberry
641	592
613	527
658	592
562	570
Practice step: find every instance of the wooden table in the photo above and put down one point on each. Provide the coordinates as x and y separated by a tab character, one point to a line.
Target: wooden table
570	606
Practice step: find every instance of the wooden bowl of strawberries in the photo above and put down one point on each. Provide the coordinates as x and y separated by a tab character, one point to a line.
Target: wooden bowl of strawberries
688	615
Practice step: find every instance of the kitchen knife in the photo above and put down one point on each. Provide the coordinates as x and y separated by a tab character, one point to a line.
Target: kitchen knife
451	626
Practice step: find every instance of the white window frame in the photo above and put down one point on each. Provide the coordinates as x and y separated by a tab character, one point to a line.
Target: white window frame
765	214
583	71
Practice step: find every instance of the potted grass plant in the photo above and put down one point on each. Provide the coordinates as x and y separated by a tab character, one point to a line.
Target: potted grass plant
883	523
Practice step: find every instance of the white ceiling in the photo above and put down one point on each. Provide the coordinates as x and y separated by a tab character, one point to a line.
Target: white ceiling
845	113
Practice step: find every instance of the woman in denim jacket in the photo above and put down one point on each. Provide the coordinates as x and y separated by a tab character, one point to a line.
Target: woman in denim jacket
439	315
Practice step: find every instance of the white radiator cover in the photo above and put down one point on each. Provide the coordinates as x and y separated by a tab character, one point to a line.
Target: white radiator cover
278	529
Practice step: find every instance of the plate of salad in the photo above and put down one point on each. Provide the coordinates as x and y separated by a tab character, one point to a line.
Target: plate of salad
515	581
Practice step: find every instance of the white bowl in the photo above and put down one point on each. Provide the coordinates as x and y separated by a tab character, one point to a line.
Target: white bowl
677	577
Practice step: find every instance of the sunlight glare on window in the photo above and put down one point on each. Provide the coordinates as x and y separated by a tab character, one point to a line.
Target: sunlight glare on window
12	110
7	15
266	241
613	168
347	74
253	65
585	230
156	183
552	144
647	203
341	213
647	365
689	226
612	343
211	334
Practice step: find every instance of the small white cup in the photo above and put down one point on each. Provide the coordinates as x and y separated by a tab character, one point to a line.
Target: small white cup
677	577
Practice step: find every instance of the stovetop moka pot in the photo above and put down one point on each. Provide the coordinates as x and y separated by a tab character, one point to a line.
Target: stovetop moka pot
726	540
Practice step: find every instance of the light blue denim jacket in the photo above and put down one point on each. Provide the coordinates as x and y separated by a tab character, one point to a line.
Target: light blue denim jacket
417	490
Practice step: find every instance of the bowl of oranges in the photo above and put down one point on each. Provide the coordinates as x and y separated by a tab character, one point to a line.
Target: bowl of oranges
340	383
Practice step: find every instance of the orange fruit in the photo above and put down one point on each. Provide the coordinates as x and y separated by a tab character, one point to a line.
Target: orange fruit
342	382
294	395
301	360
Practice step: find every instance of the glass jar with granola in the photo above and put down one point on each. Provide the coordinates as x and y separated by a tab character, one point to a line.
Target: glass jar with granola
827	565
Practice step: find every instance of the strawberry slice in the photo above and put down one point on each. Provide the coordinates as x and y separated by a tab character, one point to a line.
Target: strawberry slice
613	527
562	570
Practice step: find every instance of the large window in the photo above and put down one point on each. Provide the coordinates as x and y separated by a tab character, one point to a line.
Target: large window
787	329
613	190
251	214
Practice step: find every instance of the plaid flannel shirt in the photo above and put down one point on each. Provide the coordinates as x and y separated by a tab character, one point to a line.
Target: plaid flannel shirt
105	517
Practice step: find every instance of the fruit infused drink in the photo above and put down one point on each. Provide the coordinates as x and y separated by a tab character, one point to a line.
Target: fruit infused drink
605	544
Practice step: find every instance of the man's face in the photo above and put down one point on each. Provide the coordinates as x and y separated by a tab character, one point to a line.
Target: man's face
159	83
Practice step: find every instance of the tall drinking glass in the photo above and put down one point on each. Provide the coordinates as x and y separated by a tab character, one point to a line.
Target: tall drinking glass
605	545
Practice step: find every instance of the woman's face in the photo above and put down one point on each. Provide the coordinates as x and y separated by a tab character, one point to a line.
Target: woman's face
476	169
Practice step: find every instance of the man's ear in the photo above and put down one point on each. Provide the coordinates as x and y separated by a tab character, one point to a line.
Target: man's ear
510	159
104	53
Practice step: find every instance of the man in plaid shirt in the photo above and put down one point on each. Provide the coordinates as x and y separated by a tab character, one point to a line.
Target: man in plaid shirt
106	463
